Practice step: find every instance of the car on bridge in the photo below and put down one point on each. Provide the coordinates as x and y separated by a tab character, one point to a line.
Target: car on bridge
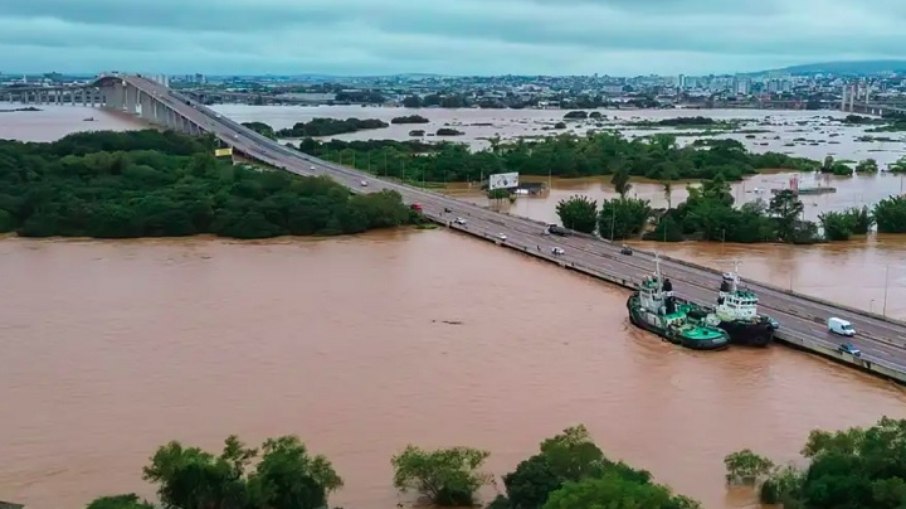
364	183
850	349
460	221
557	251
626	250
502	237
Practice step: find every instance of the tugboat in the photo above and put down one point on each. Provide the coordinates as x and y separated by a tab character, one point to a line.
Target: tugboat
654	308
737	309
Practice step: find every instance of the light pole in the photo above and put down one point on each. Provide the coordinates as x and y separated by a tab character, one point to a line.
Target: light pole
886	279
871	306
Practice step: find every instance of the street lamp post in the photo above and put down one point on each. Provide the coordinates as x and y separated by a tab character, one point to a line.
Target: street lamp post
886	285
871	306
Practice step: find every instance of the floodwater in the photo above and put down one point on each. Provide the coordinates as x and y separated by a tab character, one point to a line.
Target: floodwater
53	121
113	348
803	133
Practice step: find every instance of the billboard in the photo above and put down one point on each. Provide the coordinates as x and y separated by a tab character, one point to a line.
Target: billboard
503	181
223	152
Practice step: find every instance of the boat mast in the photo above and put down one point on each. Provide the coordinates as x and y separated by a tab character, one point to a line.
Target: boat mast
735	283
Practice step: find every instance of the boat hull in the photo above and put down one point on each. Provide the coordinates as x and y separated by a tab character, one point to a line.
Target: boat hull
759	333
636	318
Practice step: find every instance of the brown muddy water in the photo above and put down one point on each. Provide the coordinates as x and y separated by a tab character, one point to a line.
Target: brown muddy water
113	348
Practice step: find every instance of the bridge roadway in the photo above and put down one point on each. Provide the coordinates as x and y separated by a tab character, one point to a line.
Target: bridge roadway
882	341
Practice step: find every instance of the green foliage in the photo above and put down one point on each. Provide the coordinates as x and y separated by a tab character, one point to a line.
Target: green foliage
130	501
620	182
867	166
287	477
498	194
853	468
576	115
330	127
448	131
623	218
578	213
786	208
409	119
746	467
163	184
568	457
261	128
899	166
449	477
615	492
567	155
841	225
836	225
890	214
841	169
666	230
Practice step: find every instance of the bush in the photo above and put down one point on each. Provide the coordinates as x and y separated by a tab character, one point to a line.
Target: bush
449	477
890	215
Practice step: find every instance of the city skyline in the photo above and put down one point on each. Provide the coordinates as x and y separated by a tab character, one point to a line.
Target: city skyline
466	37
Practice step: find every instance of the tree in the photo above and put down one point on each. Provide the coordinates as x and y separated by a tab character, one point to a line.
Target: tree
130	501
412	101
867	166
668	193
837	225
746	467
890	214
623	218
666	230
568	456
287	477
620	181
899	166
786	207
854	468
578	213
828	165
614	492
449	477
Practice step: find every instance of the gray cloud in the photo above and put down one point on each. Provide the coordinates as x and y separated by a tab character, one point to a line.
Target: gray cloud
452	36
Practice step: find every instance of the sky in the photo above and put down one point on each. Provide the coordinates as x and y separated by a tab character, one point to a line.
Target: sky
453	37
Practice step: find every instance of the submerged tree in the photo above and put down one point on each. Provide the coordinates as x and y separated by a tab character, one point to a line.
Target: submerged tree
578	213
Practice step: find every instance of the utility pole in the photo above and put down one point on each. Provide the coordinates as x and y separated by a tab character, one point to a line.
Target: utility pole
886	279
613	220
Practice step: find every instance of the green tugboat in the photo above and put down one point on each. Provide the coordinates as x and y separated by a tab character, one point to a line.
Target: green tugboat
654	308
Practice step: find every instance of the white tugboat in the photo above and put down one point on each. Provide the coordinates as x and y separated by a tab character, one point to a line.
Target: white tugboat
737	309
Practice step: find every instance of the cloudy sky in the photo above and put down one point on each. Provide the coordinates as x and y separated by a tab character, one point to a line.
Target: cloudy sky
355	37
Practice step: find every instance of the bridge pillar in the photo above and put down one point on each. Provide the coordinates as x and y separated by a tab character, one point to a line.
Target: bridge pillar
146	107
114	96
131	97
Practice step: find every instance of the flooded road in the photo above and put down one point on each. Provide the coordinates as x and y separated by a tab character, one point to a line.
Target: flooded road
113	348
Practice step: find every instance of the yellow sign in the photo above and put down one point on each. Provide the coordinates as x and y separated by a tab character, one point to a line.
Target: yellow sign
223	152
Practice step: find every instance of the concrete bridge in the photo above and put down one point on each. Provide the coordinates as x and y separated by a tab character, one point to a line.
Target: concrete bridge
802	318
857	99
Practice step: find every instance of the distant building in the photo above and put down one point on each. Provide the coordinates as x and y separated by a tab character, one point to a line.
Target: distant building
743	86
681	82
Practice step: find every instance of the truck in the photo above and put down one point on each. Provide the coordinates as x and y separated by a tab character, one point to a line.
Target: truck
557	230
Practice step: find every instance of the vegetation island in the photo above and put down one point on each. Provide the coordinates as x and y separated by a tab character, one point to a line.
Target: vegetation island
157	184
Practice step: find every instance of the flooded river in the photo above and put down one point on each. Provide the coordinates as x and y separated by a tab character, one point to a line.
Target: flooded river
113	348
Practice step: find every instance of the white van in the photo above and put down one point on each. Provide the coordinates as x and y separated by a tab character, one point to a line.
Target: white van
840	326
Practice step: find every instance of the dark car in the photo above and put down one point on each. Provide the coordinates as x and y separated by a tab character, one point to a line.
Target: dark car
850	349
626	250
